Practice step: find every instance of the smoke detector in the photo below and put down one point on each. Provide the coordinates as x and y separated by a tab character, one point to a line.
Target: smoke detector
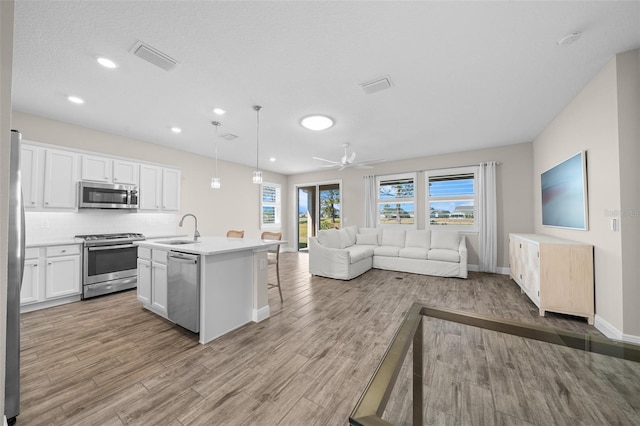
569	38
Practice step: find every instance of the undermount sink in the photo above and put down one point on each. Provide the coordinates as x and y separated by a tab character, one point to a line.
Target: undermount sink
178	242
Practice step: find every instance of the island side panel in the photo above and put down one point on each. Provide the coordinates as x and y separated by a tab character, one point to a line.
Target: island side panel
261	309
226	293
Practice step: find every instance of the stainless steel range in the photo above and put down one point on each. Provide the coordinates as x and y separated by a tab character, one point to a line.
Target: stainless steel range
110	263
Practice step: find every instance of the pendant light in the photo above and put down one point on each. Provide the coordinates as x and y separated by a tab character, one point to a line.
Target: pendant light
257	174
215	181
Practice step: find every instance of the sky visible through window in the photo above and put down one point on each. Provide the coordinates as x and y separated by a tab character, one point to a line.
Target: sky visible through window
450	188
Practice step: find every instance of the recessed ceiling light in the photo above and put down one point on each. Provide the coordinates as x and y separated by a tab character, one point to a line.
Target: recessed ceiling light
218	111
272	159
569	38
107	63
75	99
316	122
176	129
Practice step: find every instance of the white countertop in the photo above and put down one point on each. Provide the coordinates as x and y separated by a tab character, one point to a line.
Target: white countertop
60	242
211	245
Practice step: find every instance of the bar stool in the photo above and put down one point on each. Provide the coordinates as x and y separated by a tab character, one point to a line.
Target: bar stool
273	257
235	234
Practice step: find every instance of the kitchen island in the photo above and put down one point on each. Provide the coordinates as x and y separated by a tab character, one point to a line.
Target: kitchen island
232	285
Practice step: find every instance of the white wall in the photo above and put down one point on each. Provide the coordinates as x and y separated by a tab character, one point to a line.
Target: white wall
515	192
234	206
602	120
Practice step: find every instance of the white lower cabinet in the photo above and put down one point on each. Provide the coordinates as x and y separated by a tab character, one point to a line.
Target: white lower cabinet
58	282
30	291
159	286
144	280
152	280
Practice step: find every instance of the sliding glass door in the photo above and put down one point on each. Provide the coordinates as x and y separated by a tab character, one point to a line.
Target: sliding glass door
318	208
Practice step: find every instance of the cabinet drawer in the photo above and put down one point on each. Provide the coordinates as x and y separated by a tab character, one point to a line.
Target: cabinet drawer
144	253
31	253
63	250
159	256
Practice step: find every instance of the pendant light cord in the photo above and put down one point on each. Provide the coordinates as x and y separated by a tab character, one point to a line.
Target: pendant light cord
257	108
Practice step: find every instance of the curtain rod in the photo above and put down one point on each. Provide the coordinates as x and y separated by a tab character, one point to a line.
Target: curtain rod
428	170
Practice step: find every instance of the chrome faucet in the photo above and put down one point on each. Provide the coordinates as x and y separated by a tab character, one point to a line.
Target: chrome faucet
196	234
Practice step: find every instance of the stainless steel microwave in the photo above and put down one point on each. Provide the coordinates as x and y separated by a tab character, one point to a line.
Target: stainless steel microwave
94	195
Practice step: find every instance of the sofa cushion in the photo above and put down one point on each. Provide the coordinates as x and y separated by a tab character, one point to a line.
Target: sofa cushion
345	239
367	239
445	240
413	253
444	255
358	253
352	231
393	237
418	238
329	238
389	251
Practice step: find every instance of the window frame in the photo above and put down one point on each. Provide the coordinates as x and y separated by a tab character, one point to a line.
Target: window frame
428	199
277	205
413	200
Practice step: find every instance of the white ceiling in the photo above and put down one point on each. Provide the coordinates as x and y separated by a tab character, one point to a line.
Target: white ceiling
466	74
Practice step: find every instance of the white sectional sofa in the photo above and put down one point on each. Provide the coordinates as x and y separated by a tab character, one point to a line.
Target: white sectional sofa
346	253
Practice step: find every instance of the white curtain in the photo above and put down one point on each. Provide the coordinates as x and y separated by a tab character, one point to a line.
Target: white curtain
487	208
370	201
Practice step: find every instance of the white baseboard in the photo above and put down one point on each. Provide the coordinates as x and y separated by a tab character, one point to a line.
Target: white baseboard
261	314
607	328
500	270
630	338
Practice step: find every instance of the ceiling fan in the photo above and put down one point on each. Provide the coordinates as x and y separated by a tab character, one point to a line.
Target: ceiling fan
347	160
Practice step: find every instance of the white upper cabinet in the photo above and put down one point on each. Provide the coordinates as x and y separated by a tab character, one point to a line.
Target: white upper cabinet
170	189
149	191
125	172
30	173
159	188
60	183
97	169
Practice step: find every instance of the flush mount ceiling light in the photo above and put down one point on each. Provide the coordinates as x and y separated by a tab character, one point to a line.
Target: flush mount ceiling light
75	100
176	130
107	63
257	174
569	38
316	122
219	111
215	181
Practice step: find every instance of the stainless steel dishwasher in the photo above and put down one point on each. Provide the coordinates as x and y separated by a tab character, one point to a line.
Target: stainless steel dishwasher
183	290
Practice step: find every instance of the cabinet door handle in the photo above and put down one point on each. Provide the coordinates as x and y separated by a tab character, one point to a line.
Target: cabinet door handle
49	263
33	202
63	251
34	265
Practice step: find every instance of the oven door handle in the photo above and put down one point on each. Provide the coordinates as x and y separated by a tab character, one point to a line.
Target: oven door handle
120	246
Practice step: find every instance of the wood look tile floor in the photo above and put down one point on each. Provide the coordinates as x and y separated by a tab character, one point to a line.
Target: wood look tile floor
107	361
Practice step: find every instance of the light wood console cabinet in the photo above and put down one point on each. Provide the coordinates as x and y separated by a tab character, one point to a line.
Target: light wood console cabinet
556	274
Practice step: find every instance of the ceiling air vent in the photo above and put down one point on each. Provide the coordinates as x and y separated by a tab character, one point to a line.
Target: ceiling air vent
376	85
229	136
154	56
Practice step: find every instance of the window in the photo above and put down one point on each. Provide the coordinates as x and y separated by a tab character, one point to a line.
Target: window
396	200
270	205
451	198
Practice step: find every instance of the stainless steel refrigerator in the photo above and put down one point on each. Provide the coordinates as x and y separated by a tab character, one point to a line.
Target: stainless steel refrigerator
15	270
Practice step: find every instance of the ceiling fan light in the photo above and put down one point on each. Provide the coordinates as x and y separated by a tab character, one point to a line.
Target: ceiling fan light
317	122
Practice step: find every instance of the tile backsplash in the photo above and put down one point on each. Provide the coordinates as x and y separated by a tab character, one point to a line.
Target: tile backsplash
54	226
